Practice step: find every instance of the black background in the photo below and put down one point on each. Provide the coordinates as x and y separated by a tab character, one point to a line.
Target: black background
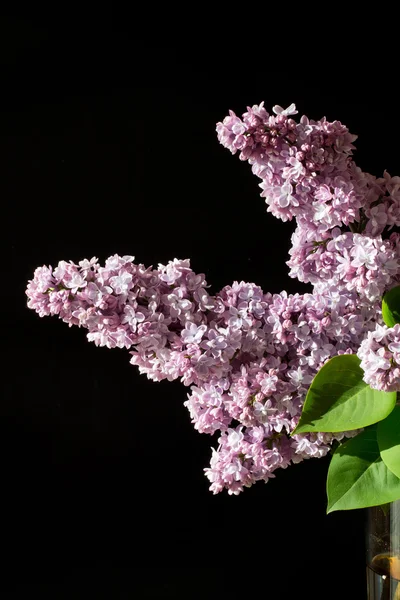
108	145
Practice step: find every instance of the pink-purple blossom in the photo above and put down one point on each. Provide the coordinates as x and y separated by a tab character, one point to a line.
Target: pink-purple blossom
249	356
380	358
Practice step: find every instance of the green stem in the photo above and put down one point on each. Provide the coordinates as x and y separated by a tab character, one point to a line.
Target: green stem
353	228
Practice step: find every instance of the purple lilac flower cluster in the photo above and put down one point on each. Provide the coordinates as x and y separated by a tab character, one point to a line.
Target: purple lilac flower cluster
307	169
379	353
344	240
249	356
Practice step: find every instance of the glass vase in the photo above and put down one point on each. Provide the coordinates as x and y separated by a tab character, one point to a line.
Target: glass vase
383	552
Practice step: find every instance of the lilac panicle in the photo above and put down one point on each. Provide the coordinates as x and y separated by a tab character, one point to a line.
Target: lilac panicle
248	356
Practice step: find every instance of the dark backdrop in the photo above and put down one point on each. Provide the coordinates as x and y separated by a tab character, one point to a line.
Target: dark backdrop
108	145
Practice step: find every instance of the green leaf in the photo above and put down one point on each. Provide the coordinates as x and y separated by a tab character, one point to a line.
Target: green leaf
388	435
339	400
358	477
391	306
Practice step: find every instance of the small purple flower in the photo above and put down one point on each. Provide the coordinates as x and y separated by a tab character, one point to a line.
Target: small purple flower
290	110
121	283
75	282
215	343
193	333
132	317
87	265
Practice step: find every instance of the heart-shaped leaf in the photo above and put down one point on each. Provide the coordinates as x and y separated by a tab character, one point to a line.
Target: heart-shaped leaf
339	400
357	475
391	307
388	435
